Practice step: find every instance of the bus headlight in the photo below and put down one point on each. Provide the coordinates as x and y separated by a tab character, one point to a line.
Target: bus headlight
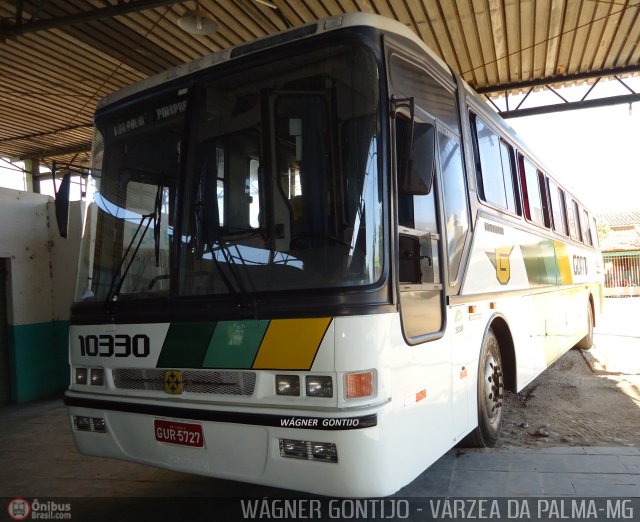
319	386
94	424
293	448
80	376
302	449
360	384
288	385
97	376
324	451
88	376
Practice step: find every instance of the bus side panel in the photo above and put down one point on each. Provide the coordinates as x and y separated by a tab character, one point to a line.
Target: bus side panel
541	286
418	425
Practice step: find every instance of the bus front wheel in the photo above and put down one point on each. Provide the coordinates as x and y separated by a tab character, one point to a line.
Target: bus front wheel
490	395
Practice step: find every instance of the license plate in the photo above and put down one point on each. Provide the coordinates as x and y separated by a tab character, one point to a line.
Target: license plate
180	433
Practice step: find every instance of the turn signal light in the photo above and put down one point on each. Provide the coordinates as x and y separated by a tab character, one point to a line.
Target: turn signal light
359	385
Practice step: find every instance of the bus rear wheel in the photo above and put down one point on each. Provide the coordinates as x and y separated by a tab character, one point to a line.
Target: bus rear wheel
587	341
490	395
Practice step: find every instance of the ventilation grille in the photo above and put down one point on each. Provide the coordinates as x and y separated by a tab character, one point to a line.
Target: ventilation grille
195	381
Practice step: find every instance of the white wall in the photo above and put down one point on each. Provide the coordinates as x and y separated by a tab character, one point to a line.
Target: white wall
65	254
25	240
41	279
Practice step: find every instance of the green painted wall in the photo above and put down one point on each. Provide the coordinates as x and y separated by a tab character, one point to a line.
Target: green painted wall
5	394
40	269
38	359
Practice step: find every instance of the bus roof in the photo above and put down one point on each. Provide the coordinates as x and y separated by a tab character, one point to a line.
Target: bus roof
272	41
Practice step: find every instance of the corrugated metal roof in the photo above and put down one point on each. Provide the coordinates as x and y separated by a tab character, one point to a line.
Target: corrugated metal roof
621	240
621	219
53	74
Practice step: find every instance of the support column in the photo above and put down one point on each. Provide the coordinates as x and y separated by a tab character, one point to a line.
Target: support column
32	175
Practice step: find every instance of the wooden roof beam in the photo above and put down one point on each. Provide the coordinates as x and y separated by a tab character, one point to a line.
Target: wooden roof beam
20	27
54	153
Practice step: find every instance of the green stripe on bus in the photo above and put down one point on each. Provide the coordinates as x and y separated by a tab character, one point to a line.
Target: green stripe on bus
186	345
234	344
540	262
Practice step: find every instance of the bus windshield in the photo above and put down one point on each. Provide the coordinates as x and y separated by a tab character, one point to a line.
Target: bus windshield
275	177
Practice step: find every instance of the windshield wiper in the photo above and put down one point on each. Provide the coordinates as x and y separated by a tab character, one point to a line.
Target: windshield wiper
157	218
153	217
211	244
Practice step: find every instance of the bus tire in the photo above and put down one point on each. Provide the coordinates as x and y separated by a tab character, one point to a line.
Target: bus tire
490	395
587	341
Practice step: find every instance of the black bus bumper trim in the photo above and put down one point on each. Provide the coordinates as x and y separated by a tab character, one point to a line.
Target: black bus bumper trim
234	417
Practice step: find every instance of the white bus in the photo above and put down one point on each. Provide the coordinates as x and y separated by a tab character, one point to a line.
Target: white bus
316	261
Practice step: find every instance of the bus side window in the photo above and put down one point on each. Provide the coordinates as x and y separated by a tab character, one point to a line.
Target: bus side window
493	167
531	192
556	197
523	183
563	207
417	214
455	199
510	181
594	232
572	220
544	196
576	214
586	230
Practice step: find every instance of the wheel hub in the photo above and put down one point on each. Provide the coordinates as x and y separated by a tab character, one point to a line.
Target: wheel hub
493	389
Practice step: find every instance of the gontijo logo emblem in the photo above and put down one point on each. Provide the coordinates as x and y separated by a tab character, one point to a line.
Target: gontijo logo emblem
173	382
19	509
501	262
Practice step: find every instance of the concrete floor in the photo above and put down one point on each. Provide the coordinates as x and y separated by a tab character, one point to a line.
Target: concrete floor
38	460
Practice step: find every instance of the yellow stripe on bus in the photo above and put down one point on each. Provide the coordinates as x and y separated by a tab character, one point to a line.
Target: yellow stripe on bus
564	265
291	344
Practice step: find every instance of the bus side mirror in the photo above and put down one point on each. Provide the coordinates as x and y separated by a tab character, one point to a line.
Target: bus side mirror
62	205
418	170
416	146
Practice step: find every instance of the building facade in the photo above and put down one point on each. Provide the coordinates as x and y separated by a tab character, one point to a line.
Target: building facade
620	243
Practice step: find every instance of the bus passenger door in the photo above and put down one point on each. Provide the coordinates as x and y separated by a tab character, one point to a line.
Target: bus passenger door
419	272
419	245
420	248
433	223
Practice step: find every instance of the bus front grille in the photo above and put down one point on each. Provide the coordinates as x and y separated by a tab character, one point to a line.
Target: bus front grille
219	382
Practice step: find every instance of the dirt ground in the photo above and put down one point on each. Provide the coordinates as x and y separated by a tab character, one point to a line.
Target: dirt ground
586	398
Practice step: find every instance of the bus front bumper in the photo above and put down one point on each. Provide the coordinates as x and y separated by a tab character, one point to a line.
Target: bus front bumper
248	446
